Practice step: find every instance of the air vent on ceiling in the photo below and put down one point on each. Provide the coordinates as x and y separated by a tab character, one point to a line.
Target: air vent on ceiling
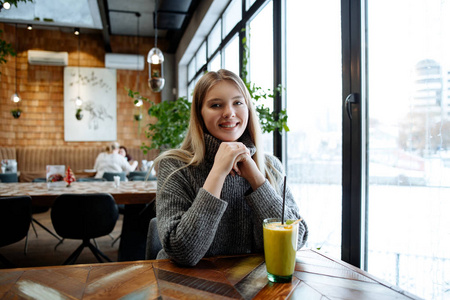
124	61
47	58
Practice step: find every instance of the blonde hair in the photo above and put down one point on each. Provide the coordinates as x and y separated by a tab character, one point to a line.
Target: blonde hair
192	150
111	147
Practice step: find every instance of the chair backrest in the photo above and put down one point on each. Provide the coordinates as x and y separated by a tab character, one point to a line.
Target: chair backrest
140	176
15	218
153	241
40	179
8	177
84	216
109	176
86	179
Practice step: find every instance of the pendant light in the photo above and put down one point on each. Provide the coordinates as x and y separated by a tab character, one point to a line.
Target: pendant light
138	100
15	97
78	100
155	59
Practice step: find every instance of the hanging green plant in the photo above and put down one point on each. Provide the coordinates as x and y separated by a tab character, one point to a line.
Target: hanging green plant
16	113
171	125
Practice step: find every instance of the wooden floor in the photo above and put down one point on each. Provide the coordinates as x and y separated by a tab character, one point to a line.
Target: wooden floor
41	249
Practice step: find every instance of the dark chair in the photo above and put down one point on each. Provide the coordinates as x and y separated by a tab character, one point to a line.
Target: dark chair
8	177
84	217
89	179
109	176
153	241
15	219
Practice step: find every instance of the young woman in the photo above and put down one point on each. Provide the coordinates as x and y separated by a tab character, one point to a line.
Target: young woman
215	190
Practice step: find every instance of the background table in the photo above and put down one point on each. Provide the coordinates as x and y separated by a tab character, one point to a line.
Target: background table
239	277
129	192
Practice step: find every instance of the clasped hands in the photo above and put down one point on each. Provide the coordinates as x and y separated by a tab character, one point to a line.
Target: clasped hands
234	158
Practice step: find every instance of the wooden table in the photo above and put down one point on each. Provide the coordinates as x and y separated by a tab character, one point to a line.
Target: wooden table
129	192
238	277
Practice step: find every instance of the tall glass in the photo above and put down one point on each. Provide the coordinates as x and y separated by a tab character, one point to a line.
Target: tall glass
280	247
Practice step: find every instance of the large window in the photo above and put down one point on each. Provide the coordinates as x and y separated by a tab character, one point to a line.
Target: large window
260	37
314	105
409	145
397	67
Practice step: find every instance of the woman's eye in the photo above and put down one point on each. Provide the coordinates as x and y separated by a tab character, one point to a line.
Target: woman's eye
239	103
215	105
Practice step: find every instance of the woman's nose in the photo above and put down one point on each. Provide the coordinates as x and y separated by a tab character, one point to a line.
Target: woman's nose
228	112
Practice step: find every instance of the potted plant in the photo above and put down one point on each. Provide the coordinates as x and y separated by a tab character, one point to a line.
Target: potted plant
156	82
79	114
16	113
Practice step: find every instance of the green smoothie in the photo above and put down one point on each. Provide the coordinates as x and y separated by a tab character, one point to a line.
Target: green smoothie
280	247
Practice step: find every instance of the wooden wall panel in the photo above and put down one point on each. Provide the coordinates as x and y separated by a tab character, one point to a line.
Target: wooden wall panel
42	87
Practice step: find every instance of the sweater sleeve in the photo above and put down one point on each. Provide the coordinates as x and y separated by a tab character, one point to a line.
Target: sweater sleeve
267	203
187	219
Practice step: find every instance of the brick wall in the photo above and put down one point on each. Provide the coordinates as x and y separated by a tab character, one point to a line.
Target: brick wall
42	87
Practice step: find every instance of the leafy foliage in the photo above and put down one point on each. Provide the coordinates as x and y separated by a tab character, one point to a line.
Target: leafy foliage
5	49
269	119
171	125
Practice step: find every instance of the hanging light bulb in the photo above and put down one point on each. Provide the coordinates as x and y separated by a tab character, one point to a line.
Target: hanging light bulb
15	98
155	59
78	100
155	56
6	5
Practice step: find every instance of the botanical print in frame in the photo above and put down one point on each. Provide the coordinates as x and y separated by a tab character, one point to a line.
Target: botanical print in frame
97	120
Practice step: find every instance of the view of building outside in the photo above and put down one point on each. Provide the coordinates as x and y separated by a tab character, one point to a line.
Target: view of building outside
409	144
314	97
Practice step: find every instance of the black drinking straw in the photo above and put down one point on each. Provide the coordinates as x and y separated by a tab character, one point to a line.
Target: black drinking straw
284	201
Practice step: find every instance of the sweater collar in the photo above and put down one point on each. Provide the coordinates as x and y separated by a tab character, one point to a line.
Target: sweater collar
212	145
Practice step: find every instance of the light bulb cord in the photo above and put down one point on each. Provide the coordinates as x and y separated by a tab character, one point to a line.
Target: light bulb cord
79	80
15	62
156	23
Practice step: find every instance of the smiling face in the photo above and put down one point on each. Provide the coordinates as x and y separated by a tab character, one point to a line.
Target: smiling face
225	112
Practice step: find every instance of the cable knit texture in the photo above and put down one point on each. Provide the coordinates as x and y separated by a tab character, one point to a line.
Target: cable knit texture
192	223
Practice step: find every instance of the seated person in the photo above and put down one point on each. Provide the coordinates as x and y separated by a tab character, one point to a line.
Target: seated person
112	161
123	151
215	191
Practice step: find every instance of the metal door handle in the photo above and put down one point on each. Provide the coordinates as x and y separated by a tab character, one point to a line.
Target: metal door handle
351	98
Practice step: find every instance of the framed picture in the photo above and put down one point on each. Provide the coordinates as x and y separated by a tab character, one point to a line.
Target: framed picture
94	118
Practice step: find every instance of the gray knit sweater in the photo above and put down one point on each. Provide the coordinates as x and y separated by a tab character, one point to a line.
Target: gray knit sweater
192	223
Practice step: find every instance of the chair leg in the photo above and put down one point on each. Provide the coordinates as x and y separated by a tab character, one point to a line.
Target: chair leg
96	250
73	257
93	250
46	229
117	238
25	249
34	228
59	243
